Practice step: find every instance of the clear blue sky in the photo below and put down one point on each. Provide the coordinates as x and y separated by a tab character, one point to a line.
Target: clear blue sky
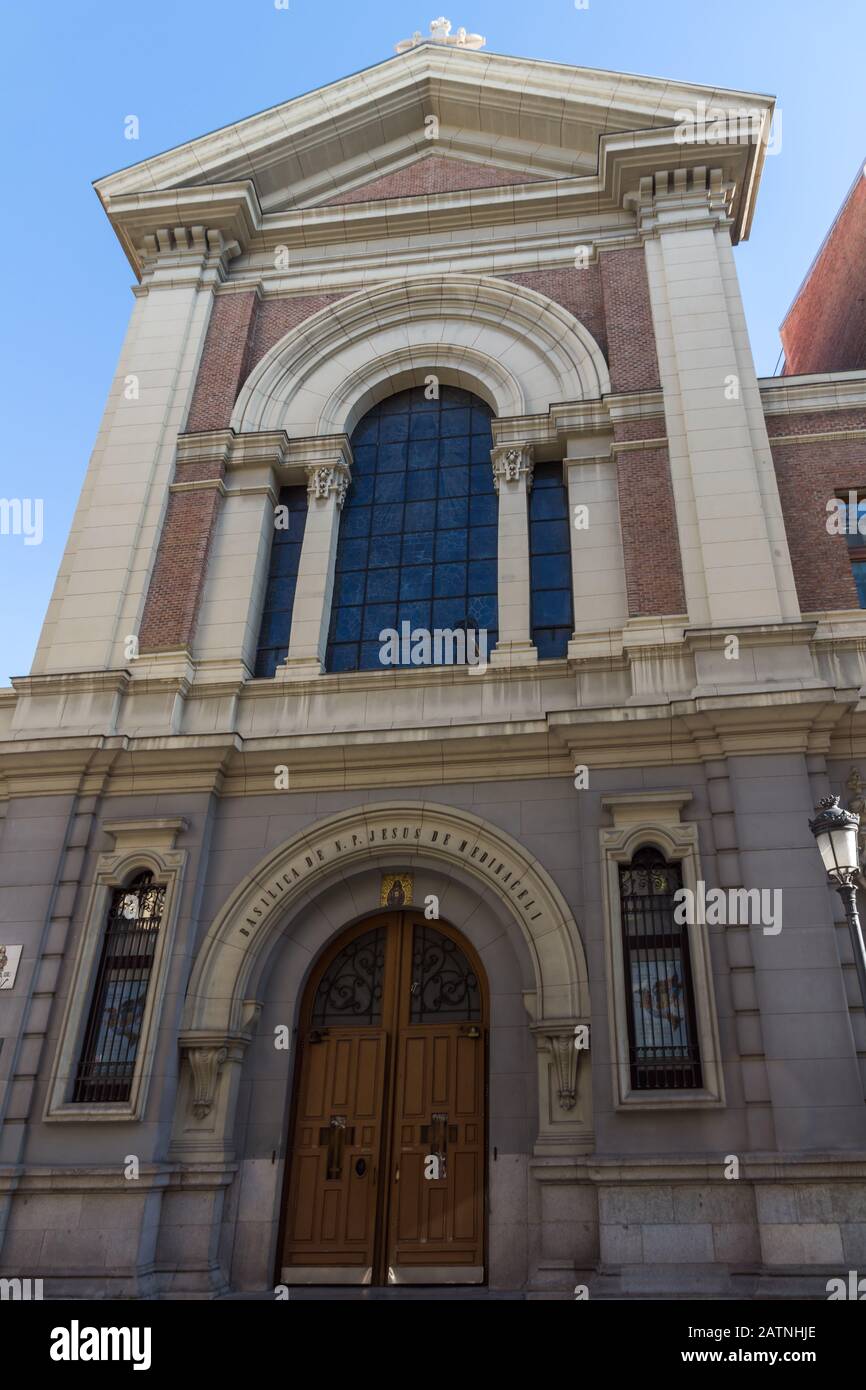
184	67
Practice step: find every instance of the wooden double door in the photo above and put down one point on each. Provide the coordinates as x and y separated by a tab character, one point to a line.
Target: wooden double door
386	1172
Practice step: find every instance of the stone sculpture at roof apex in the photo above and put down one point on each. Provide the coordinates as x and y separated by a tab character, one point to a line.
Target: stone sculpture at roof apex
440	32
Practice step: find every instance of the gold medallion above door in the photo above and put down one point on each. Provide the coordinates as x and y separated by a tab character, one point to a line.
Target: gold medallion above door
386	1174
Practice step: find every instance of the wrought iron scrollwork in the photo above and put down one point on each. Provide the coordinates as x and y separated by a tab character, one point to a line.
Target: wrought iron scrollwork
443	981
350	991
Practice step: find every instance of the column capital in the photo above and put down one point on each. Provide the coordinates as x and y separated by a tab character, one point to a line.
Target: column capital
513	463
323	479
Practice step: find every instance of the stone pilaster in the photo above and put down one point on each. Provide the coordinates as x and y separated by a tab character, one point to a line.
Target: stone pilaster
512	478
329	474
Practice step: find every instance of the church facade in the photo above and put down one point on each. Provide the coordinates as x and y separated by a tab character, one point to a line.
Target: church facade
404	850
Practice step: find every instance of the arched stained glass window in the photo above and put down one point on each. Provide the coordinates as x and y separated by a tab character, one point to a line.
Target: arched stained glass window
550	562
418	532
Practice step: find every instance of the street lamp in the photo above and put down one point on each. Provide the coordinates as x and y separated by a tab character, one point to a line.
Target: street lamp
835	831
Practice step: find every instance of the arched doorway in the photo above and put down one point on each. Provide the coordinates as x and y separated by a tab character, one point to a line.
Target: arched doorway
386	1173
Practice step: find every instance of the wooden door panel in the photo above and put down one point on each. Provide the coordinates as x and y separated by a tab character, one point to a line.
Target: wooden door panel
332	1206
438	1222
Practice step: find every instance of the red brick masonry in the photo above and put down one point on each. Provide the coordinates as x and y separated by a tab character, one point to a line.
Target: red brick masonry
825	327
648	521
431	174
808	477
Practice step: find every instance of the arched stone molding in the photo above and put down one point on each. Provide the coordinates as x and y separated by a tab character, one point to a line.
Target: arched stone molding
225	967
517	349
228	979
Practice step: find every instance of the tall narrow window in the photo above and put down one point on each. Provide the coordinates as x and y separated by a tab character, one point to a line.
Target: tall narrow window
418	531
550	562
854	515
107	1062
289	522
663	1040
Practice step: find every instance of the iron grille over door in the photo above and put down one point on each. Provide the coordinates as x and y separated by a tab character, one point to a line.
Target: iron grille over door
663	1045
107	1063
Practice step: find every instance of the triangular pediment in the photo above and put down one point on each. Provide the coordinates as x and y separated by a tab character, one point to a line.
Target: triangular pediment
496	120
434	173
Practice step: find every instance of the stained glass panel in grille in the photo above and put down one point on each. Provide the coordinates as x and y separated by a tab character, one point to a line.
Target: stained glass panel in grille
107	1063
663	1045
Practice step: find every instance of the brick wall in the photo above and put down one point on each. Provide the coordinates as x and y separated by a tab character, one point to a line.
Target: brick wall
430	174
578	291
648	521
825	328
223	361
808	477
628	313
177	583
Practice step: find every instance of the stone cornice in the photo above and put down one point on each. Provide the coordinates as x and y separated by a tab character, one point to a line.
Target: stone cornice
821	392
686	731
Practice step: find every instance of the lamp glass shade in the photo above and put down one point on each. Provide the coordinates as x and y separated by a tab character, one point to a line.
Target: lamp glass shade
838	847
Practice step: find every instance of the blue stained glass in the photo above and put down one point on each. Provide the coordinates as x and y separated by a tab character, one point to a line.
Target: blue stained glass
479	450
414	504
348	624
415	614
483	511
280	592
454	482
451	545
349	587
390	487
357	522
392	428
421	486
353	555
482	576
550	563
454	452
364	488
367	432
859	568
450	581
382	585
455	422
550	571
420	516
483	543
418	547
547	537
389	518
416	582
285	559
384	552
392	458
377	617
551	608
423	427
343	658
276	622
423	453
454	511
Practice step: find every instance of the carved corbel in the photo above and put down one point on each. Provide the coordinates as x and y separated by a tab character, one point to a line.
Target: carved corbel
205	1064
564	1042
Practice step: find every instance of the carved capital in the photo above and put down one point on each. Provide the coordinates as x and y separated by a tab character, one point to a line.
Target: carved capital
513	463
564	1041
325	479
205	1063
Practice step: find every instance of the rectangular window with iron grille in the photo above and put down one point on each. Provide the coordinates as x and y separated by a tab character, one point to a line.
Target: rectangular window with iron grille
111	1039
662	1029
